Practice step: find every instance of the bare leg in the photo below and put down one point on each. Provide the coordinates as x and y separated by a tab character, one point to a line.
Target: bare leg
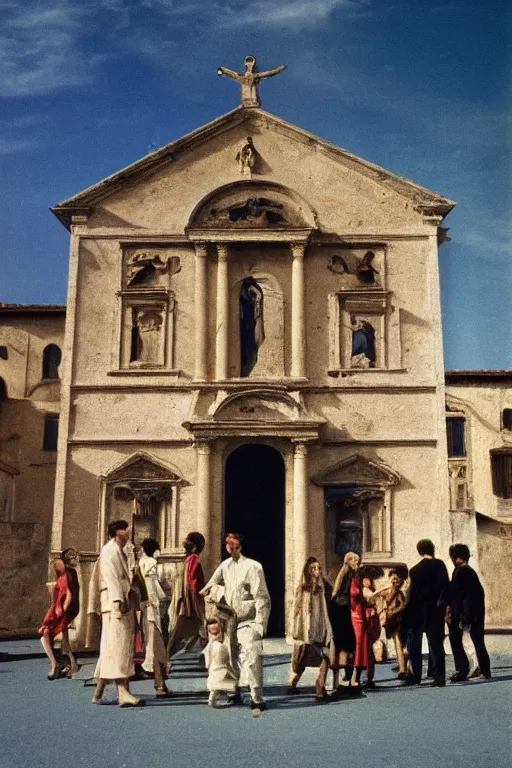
66	647
320	682
100	690
126	699
357	680
48	649
400	655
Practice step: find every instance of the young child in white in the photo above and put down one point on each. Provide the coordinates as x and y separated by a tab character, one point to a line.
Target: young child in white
222	675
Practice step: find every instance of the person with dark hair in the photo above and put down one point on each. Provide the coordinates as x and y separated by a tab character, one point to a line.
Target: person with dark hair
428	598
70	558
56	621
188	614
245	591
391	602
117	644
155	660
310	629
466	618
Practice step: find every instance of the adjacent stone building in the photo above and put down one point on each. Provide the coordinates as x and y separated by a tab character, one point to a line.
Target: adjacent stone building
31	339
479	425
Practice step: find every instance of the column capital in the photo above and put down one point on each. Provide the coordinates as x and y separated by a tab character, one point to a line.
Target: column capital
222	251
300	449
201	249
203	447
298	250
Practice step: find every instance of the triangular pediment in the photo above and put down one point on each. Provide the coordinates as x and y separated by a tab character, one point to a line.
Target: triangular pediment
357	470
252	119
142	466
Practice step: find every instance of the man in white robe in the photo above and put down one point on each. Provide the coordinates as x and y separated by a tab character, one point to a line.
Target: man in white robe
155	660
117	644
245	590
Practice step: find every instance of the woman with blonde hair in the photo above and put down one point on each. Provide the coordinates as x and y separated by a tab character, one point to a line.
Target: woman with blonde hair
344	639
311	629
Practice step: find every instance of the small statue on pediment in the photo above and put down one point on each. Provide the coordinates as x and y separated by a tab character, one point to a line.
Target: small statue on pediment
246	158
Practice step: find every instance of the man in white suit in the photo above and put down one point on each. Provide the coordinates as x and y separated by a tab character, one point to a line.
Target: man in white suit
245	591
117	644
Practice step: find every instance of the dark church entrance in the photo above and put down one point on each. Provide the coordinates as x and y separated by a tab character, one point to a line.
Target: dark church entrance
254	507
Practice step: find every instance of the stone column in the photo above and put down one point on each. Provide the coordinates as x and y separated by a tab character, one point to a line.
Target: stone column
203	496
298	368
300	508
222	330
200	314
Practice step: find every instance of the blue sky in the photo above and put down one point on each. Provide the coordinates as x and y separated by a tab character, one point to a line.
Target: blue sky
422	88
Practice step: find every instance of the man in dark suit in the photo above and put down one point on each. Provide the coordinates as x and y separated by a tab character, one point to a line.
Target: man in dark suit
428	598
467	616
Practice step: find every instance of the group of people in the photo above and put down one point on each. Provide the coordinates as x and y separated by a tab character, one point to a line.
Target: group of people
338	627
335	628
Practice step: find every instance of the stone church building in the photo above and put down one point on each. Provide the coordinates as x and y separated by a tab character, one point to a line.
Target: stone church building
253	342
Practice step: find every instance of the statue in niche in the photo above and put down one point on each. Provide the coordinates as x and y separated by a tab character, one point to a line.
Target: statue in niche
363	344
249	80
146	330
252	333
365	270
257	210
246	158
144	267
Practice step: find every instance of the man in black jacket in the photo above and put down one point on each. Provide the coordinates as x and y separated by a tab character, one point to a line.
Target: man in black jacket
467	615
428	598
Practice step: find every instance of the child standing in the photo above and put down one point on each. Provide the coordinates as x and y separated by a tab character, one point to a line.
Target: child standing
219	660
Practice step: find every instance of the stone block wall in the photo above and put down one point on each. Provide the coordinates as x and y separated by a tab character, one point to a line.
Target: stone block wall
23	574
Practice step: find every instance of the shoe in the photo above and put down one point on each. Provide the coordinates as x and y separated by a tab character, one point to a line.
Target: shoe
321	695
370	684
261	705
136	703
163	693
402	676
53	675
411	680
481	676
458	677
235	699
437	684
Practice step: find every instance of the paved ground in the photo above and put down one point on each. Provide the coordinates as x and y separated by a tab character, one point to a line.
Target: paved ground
53	724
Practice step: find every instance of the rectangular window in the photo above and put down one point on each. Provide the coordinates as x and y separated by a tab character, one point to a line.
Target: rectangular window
501	469
455	434
51	431
507	419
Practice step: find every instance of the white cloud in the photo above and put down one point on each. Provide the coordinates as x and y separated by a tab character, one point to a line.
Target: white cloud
38	51
11	146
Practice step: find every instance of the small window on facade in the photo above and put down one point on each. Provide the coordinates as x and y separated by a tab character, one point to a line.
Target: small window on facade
507	419
501	469
3	390
455	433
51	431
4	355
51	361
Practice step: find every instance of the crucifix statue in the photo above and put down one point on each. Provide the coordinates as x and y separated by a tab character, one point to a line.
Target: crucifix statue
249	80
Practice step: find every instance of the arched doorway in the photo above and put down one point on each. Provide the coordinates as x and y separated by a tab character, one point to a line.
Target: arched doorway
254	507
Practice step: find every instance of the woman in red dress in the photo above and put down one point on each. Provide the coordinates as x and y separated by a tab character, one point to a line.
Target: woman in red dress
359	623
57	619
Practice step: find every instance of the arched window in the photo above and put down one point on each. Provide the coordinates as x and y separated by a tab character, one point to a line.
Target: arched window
51	361
3	390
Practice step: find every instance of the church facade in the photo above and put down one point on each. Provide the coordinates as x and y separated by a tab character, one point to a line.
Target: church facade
253	343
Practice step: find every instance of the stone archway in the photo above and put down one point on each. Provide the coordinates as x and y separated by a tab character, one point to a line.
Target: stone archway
254	506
